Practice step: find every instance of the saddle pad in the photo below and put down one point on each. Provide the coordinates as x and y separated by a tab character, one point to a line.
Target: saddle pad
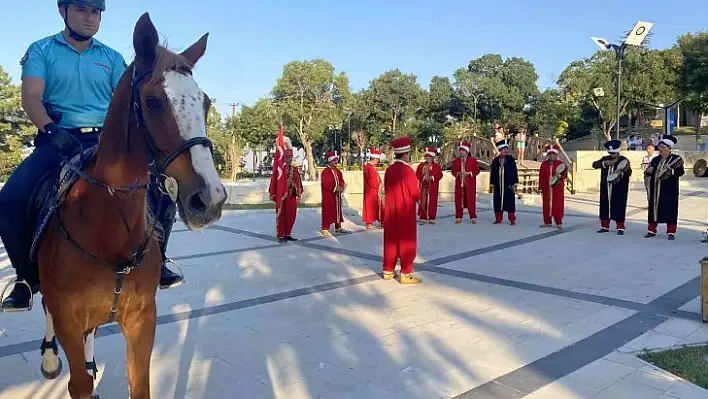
50	194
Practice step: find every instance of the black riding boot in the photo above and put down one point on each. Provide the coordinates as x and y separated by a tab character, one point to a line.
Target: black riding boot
20	298
168	278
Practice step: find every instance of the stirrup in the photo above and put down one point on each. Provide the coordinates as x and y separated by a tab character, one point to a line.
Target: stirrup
2	296
179	270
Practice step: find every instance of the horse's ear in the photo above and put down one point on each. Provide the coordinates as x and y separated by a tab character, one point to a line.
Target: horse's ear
145	40
197	50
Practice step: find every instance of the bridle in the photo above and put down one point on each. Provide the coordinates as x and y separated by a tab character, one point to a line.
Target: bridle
158	165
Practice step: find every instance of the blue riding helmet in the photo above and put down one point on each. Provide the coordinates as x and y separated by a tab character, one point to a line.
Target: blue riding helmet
99	4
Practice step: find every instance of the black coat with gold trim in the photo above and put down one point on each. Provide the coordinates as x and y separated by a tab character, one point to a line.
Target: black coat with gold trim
664	194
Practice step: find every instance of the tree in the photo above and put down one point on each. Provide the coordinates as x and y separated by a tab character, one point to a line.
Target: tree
395	98
310	96
647	77
693	75
16	130
496	89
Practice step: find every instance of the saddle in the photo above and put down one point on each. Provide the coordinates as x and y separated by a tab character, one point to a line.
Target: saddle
50	193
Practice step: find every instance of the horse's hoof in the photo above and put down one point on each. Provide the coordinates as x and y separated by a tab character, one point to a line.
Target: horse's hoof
54	374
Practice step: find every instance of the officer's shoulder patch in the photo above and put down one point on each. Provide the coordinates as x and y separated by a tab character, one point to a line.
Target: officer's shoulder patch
24	58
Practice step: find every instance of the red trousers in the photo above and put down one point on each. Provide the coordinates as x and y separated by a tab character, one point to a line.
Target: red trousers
404	250
670	228
463	201
286	217
552	209
605	223
499	216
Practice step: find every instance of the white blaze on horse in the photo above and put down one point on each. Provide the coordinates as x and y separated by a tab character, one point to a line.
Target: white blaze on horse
99	258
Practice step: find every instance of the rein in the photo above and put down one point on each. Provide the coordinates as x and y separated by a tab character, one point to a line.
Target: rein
124	266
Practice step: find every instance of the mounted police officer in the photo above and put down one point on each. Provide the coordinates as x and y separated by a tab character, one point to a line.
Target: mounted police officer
68	80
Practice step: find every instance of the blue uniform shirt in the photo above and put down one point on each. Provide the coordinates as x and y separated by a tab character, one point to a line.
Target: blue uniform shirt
79	86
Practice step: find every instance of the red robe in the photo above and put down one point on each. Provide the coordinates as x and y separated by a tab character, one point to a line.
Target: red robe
373	204
400	228
467	197
553	197
285	192
428	209
332	183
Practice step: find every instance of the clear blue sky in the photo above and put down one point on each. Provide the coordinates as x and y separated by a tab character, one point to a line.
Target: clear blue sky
250	41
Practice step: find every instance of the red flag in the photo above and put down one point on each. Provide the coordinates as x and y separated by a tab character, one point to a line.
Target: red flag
279	150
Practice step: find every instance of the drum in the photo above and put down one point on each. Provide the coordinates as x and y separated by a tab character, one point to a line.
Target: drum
700	168
559	172
614	176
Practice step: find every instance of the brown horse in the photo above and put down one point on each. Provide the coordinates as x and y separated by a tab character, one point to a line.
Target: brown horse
99	260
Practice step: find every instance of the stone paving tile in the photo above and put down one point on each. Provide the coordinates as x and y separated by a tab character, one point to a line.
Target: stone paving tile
461	334
580	267
307	224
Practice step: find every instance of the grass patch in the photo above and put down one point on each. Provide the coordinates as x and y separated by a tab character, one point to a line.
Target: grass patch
688	363
270	205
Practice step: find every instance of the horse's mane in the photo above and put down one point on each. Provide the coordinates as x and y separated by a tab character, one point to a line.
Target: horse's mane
166	60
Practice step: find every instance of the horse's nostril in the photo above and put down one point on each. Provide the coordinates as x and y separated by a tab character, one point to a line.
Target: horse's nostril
196	203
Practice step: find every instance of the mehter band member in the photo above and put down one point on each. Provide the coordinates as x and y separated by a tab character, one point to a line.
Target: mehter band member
614	187
285	190
400	230
465	170
664	172
504	177
429	174
551	184
333	185
373	191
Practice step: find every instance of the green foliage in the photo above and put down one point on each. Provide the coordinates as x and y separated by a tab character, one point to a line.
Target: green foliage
310	98
16	130
693	73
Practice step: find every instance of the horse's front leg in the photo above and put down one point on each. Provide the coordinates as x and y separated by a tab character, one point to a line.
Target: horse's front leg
51	362
91	369
71	338
139	331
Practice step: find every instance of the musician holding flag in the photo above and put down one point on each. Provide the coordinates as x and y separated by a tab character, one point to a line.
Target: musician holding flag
551	184
664	172
465	170
503	178
429	174
333	185
285	188
614	187
373	191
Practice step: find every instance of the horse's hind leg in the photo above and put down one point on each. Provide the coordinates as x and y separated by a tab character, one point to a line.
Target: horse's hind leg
71	338
91	369
51	362
139	331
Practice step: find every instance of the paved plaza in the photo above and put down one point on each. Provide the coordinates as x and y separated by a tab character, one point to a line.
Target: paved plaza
504	311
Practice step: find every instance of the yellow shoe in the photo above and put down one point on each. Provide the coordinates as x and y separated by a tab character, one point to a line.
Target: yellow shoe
410	279
388	275
458	221
325	233
369	226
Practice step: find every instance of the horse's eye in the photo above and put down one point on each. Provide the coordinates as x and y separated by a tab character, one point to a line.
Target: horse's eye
152	102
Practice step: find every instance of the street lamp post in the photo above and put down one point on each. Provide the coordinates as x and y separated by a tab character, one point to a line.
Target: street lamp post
635	38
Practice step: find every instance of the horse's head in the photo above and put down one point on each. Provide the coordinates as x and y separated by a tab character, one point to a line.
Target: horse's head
173	111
